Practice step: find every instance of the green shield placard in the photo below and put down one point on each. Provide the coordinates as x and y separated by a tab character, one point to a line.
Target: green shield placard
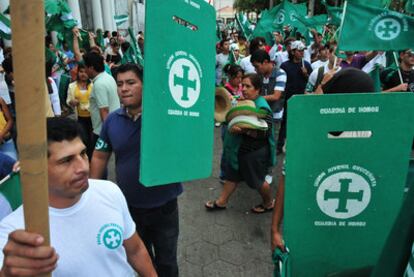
178	97
346	165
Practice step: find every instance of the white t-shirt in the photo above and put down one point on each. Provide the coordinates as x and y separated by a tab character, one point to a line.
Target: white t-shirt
88	236
221	61
319	63
281	57
54	98
247	66
4	89
310	87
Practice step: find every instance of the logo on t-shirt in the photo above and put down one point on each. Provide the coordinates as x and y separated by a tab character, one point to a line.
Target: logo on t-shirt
110	235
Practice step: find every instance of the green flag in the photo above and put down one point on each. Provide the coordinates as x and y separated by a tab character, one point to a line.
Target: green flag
58	16
120	19
5	31
373	3
409	6
11	191
100	39
244	25
368	28
281	15
287	14
375	76
133	54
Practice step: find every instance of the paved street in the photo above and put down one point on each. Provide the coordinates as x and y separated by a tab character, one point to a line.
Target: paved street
233	242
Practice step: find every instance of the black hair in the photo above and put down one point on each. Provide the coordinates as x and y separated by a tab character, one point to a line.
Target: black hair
349	80
137	69
81	66
232	70
7	64
62	128
255	44
95	60
259	56
124	46
241	37
223	41
255	79
114	33
106	34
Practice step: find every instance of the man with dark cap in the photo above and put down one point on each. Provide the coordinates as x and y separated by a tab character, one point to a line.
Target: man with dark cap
390	77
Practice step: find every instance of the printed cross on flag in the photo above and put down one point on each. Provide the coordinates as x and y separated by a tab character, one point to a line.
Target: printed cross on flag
370	28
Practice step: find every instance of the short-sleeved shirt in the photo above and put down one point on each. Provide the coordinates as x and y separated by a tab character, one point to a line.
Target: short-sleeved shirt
277	80
311	85
358	61
221	60
122	135
89	235
247	66
296	81
390	78
104	95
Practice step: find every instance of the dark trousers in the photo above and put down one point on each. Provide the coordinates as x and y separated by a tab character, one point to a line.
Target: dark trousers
158	229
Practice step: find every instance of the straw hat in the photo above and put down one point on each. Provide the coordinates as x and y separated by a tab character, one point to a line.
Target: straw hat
245	107
248	122
222	104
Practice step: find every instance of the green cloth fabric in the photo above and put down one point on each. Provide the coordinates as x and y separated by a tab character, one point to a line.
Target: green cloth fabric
382	29
232	142
12	190
281	262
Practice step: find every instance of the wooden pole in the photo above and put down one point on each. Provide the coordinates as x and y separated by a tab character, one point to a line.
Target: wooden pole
28	31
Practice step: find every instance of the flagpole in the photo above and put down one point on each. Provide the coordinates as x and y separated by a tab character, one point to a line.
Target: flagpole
342	21
29	77
398	67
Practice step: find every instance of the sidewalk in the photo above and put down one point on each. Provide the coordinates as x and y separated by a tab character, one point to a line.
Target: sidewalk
233	242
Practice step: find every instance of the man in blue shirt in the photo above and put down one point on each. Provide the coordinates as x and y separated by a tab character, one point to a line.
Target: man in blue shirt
154	209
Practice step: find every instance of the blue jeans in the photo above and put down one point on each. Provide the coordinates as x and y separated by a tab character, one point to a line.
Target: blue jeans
158	228
8	148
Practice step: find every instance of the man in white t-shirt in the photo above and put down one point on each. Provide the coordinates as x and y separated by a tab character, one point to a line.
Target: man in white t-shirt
221	60
315	80
91	230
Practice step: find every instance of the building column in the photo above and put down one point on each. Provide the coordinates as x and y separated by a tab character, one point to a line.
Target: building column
97	14
108	12
74	6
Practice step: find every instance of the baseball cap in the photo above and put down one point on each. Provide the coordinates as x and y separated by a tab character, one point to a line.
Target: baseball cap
234	46
297	44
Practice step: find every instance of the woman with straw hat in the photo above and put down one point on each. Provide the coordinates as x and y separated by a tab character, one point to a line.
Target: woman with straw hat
249	147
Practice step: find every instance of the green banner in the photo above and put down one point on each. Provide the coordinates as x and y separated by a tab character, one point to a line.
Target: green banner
178	99
11	189
370	28
346	165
